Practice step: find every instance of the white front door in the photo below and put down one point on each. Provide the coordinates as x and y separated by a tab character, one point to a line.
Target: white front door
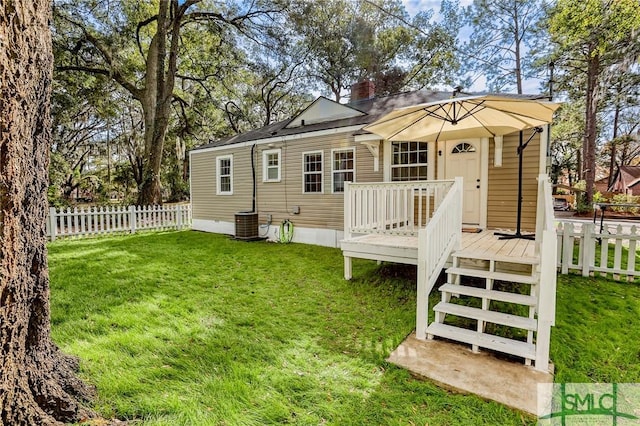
462	158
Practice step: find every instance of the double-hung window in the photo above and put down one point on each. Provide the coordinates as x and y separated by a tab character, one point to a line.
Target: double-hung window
271	161
312	172
343	163
224	175
409	161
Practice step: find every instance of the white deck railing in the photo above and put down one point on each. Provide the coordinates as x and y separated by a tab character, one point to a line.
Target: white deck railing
397	208
92	221
546	250
436	241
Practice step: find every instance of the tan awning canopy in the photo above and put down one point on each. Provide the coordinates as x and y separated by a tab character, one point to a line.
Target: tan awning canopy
463	117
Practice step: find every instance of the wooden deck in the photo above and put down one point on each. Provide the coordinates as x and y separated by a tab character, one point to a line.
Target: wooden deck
380	224
404	249
486	245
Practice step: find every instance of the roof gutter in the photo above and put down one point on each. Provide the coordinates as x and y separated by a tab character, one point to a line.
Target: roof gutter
283	138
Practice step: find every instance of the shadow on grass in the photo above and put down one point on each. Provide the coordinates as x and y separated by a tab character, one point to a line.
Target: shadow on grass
190	328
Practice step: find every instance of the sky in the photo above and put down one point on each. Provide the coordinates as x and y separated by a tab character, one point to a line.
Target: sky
415	6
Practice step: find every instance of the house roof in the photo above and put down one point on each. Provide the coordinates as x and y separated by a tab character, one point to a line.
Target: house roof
630	173
626	177
325	114
323	110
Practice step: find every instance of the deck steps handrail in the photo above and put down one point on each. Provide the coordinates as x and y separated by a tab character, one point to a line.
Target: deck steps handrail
436	242
391	208
547	249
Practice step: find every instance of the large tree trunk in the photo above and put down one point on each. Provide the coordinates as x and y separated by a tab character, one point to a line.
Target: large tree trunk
37	382
616	119
589	148
149	189
160	81
149	192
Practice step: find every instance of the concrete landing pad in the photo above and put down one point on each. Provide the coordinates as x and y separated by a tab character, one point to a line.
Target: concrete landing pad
456	367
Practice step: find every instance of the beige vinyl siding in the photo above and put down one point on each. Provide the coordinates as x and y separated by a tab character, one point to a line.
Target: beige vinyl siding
325	210
503	184
205	203
278	199
317	210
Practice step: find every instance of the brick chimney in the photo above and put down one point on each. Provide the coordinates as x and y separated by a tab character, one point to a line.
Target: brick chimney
363	90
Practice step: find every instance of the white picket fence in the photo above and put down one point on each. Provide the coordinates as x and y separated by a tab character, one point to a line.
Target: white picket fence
93	221
617	256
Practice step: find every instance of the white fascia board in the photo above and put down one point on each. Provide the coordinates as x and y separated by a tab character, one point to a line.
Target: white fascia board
276	139
368	137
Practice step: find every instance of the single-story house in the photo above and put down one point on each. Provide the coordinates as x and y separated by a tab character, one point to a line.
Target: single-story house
296	169
405	201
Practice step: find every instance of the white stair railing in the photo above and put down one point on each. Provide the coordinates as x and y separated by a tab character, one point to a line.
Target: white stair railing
546	249
391	208
436	242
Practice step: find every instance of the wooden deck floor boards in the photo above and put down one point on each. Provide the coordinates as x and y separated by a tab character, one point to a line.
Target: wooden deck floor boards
483	243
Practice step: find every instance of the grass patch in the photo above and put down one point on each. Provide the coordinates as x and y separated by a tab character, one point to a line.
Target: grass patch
597	331
187	328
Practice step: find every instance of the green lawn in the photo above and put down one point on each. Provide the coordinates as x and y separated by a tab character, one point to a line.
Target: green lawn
187	328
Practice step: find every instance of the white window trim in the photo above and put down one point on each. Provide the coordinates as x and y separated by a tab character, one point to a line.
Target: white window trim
218	176
333	151
265	175
398	166
321	152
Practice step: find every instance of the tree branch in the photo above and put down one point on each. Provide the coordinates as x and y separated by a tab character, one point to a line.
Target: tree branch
106	54
138	28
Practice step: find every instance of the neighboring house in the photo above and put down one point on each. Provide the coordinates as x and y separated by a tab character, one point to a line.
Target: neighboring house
626	180
602	185
296	169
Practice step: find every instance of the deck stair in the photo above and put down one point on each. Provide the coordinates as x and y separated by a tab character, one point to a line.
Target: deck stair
486	291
